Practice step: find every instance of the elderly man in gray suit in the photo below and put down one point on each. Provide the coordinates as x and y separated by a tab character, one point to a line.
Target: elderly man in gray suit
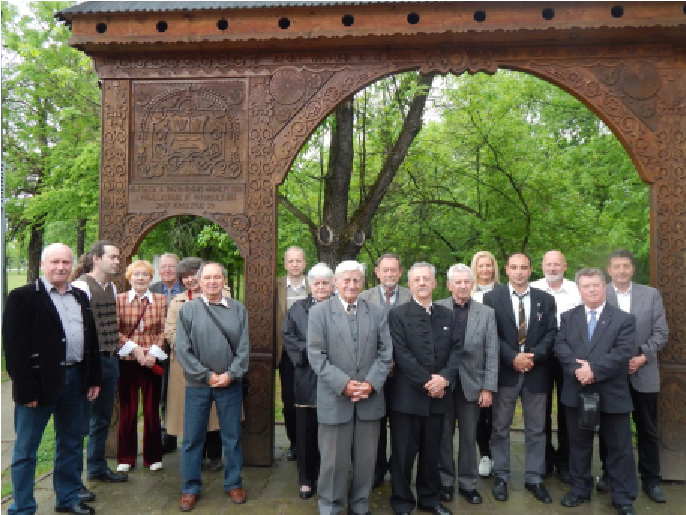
645	303
477	379
349	348
388	293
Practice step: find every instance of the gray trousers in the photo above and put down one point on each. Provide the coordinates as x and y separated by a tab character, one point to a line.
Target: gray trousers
533	409
336	441
467	415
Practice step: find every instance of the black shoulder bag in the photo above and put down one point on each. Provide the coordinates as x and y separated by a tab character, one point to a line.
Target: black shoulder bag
589	410
245	381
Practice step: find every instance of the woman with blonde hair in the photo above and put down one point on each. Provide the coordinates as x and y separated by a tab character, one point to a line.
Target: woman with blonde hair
486	275
140	320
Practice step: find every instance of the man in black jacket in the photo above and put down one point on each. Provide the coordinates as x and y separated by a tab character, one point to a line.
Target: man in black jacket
51	352
594	346
426	361
527	325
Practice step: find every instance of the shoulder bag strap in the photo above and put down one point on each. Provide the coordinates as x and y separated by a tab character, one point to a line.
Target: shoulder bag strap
219	326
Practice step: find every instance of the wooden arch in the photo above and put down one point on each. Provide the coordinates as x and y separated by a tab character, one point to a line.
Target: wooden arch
205	118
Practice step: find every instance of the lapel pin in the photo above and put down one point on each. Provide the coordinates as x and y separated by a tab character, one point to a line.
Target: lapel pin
445	328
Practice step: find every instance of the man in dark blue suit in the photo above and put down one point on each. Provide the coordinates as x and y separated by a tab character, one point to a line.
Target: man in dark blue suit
594	346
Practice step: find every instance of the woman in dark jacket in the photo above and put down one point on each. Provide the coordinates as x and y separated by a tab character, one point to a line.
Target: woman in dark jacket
320	279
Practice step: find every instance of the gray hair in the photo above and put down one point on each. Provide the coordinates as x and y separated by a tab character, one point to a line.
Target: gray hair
55	246
422	264
589	272
169	255
320	271
460	267
389	255
349	266
202	267
293	247
187	266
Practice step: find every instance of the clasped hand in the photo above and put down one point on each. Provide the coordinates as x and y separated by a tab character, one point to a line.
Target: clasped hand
357	390
636	362
145	360
523	362
584	374
219	380
436	386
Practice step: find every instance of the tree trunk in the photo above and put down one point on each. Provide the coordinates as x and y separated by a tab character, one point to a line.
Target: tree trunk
80	236
35	249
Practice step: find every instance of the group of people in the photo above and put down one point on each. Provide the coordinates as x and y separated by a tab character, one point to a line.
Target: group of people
352	364
72	342
358	361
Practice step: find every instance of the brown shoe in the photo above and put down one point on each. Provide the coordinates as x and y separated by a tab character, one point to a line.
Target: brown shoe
187	502
237	495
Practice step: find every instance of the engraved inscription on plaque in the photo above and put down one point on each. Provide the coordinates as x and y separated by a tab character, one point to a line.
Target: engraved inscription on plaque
190	130
187	198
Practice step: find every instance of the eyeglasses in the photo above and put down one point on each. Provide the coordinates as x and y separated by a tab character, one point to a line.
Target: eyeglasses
140	274
167	267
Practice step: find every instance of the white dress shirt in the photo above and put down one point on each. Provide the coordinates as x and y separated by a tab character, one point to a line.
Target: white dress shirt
566	298
597	310
624	299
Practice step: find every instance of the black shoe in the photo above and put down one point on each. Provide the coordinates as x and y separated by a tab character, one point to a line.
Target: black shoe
539	491
79	509
85	495
439	509
306	495
169	443
603	484
472	496
109	476
565	476
571	500
655	493
500	490
624	509
291	455
447	493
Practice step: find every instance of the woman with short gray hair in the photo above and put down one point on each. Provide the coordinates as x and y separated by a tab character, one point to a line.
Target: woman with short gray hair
320	279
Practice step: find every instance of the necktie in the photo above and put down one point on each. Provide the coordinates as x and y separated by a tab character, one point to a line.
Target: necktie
388	295
521	335
351	310
591	325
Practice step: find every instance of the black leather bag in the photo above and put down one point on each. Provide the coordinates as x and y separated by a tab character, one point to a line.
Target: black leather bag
589	410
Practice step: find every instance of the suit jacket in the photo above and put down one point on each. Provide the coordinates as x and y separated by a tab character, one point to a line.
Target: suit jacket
608	354
294	333
540	336
423	345
332	356
374	296
35	346
157	288
281	302
479	355
651	333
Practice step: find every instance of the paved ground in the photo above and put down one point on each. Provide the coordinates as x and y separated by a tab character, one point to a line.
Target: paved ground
274	489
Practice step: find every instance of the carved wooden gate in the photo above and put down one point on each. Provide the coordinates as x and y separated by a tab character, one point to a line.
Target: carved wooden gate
204	110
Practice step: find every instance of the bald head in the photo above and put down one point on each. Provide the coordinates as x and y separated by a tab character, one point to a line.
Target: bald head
56	262
554	266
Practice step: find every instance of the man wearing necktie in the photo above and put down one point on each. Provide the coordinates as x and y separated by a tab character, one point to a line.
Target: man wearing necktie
527	325
349	348
387	294
594	346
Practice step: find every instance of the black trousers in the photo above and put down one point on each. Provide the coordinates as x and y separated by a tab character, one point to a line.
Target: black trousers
484	428
615	431
560	457
307	446
287	375
212	449
647	443
413	435
382	462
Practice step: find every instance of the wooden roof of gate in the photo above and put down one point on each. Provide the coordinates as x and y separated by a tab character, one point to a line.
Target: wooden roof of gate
115	27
